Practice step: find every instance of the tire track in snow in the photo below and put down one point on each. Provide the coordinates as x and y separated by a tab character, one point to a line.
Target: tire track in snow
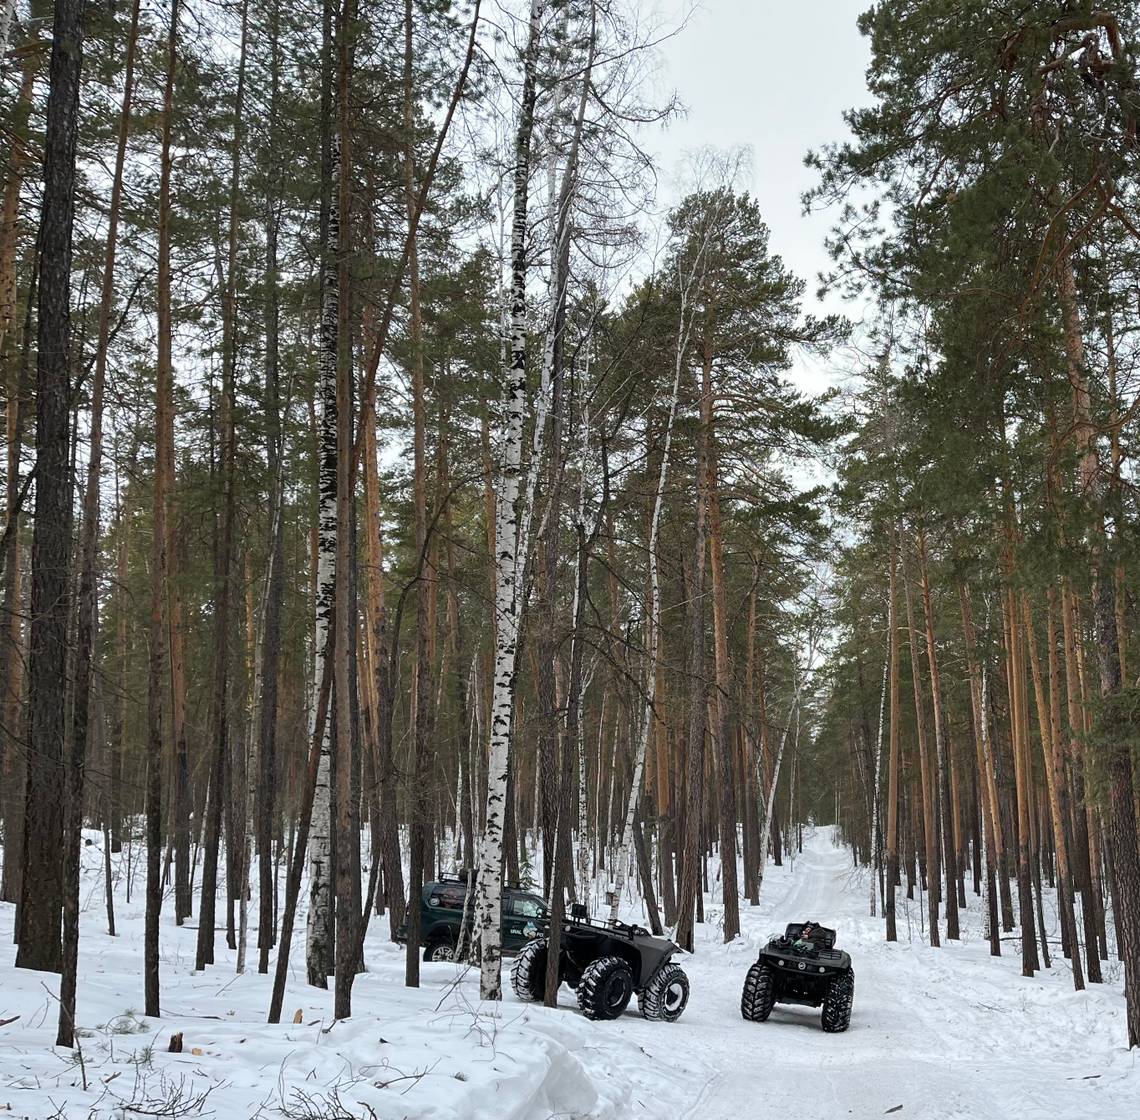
937	1034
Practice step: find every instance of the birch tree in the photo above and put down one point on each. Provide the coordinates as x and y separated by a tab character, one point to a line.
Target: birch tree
509	544
319	951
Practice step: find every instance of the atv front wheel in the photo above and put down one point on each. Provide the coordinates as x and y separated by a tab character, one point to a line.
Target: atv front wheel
528	973
759	993
605	988
836	1016
665	996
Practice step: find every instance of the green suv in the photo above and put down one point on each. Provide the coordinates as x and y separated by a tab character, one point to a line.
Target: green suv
525	917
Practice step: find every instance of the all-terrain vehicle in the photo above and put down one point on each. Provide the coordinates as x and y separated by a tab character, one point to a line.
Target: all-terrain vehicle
606	962
801	967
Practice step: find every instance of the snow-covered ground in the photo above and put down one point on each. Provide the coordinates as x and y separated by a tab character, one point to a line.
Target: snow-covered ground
936	1033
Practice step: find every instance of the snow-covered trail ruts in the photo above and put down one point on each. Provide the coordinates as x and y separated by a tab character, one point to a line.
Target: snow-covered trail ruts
941	1034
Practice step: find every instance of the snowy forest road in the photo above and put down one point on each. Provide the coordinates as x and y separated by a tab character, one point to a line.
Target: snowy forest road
941	1034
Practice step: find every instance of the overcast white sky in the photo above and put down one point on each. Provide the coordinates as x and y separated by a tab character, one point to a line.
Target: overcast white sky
774	77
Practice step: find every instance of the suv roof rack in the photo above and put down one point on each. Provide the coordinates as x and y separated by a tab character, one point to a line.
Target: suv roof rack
461	877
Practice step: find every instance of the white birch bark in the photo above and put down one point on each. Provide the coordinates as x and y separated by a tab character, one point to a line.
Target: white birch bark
457	826
7	17
507	552
583	797
797	826
875	784
319	946
583	848
611	797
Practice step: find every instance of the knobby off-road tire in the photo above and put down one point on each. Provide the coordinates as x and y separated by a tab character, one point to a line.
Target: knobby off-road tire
836	1016
528	973
665	996
759	993
605	989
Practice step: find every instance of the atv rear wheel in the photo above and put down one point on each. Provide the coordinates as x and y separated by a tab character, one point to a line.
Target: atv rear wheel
836	1016
605	988
759	993
665	996
528	973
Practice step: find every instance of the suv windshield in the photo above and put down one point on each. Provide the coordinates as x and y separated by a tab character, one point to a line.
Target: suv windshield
528	906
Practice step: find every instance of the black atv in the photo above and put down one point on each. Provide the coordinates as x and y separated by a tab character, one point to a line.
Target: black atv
606	962
801	967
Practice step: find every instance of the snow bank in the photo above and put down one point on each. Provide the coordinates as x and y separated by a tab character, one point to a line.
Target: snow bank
435	1052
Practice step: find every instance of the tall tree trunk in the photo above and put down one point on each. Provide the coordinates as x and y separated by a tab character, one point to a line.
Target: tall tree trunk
421	801
726	804
383	683
893	763
7	17
275	586
509	549
748	756
12	654
181	808
163	452
574	694
690	880
301	845
1050	744
221	777
941	747
991	821
41	897
1075	757
347	950
319	955
1019	733
873	839
1121	799
122	649
18	158
929	805
87	622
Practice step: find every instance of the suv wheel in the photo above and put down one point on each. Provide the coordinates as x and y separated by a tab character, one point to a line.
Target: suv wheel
528	973
759	993
439	949
665	996
836	1017
605	989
